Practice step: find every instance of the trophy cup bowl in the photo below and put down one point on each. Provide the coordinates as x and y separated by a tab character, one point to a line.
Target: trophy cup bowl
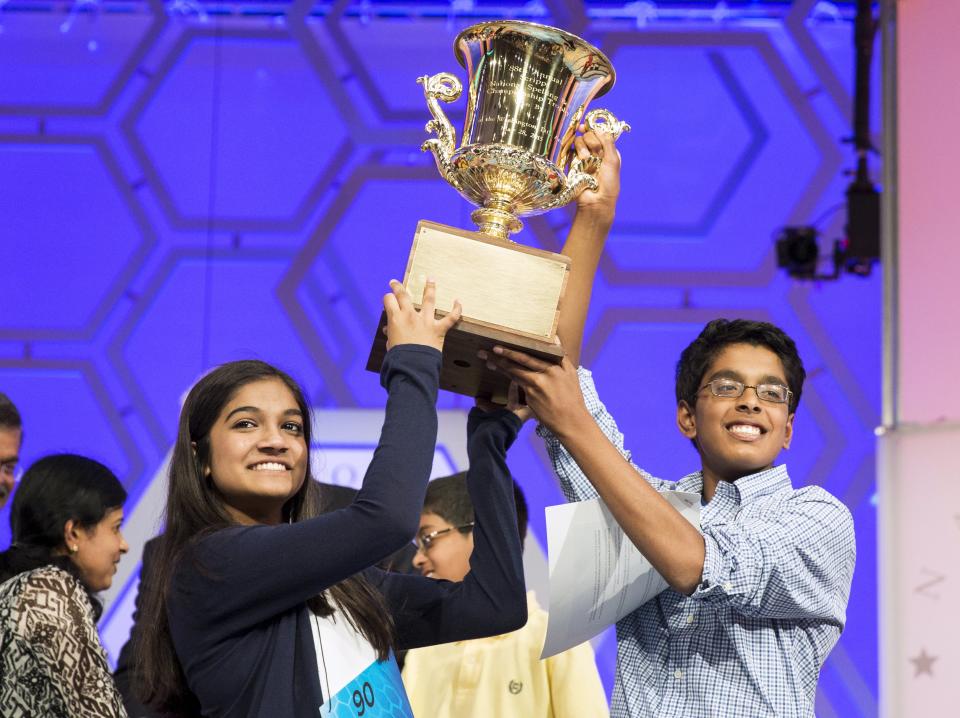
528	89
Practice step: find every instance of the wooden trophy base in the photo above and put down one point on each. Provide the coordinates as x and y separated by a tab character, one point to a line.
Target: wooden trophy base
510	296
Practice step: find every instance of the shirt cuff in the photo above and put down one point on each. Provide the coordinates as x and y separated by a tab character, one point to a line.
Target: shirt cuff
716	582
411	359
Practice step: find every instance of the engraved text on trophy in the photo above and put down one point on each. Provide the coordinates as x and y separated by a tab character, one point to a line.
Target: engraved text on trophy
520	97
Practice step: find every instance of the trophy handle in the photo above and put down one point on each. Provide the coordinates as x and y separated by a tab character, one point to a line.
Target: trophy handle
441	87
604	121
581	174
578	179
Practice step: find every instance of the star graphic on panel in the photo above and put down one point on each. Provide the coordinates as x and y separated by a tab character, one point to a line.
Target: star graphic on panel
923	663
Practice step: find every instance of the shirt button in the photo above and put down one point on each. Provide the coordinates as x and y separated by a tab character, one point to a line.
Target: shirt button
690	618
728	586
678	673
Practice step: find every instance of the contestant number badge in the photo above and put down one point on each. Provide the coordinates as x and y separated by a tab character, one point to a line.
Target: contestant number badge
377	692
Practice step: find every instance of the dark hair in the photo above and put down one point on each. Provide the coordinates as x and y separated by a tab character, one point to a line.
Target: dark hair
448	498
721	333
194	510
54	490
9	416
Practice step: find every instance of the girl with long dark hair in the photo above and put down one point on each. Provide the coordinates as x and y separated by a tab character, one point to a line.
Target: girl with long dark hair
65	522
261	606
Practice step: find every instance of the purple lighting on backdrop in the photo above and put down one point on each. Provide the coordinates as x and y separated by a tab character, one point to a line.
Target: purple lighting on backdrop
179	189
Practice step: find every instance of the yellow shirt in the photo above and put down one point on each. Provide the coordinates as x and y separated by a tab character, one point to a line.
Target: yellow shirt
503	677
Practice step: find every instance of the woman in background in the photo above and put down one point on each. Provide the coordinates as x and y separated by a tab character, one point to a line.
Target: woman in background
65	522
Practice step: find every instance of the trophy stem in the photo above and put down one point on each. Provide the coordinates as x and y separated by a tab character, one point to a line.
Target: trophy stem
495	219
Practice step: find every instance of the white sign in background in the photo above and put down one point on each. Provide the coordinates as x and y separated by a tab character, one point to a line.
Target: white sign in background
919	532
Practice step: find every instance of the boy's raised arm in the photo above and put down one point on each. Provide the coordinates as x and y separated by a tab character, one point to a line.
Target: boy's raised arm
584	245
671	544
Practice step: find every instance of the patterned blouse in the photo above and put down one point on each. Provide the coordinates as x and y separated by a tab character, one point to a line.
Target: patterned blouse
51	660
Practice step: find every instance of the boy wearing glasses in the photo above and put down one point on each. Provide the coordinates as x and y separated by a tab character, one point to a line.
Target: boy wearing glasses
500	676
11	438
758	594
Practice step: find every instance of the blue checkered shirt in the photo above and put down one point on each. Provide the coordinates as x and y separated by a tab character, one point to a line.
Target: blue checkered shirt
750	640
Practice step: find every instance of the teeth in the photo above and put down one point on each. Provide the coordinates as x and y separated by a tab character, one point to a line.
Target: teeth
269	466
745	429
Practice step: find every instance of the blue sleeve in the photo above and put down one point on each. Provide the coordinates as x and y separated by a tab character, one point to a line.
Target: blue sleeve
797	564
575	484
492	597
245	575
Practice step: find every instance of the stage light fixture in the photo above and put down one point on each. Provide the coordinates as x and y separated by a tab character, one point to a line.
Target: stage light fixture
798	248
862	249
798	251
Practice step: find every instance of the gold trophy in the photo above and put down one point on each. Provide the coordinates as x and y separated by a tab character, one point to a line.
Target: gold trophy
528	90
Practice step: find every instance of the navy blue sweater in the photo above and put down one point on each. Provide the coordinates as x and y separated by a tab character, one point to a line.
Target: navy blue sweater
239	620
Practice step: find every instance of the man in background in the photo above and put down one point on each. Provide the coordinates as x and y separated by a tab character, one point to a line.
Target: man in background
11	438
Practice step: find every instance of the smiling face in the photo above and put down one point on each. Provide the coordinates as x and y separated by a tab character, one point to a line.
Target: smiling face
258	455
98	550
738	437
448	555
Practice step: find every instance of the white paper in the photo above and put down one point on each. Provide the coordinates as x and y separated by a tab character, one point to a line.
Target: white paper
597	575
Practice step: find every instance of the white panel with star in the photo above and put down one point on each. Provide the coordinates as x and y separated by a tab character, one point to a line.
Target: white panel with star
919	502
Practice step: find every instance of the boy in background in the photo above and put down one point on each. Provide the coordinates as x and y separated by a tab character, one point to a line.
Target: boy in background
503	675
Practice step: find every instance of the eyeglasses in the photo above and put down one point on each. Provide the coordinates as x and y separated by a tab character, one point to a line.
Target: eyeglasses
424	542
733	389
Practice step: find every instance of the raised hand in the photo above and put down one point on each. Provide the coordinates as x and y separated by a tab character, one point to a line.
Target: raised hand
603	146
408	325
552	391
522	411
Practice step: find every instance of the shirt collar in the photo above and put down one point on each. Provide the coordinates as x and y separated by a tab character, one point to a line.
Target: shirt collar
745	489
692	483
762	483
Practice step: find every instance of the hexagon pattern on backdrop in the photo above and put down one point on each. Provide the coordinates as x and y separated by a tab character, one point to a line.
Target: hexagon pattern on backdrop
182	189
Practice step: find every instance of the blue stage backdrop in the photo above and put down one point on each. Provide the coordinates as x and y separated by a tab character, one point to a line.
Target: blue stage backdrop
186	183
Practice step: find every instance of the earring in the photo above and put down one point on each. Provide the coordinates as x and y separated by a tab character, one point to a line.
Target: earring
74	548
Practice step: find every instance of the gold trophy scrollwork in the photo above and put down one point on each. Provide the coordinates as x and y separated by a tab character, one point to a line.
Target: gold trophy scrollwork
506	181
528	88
